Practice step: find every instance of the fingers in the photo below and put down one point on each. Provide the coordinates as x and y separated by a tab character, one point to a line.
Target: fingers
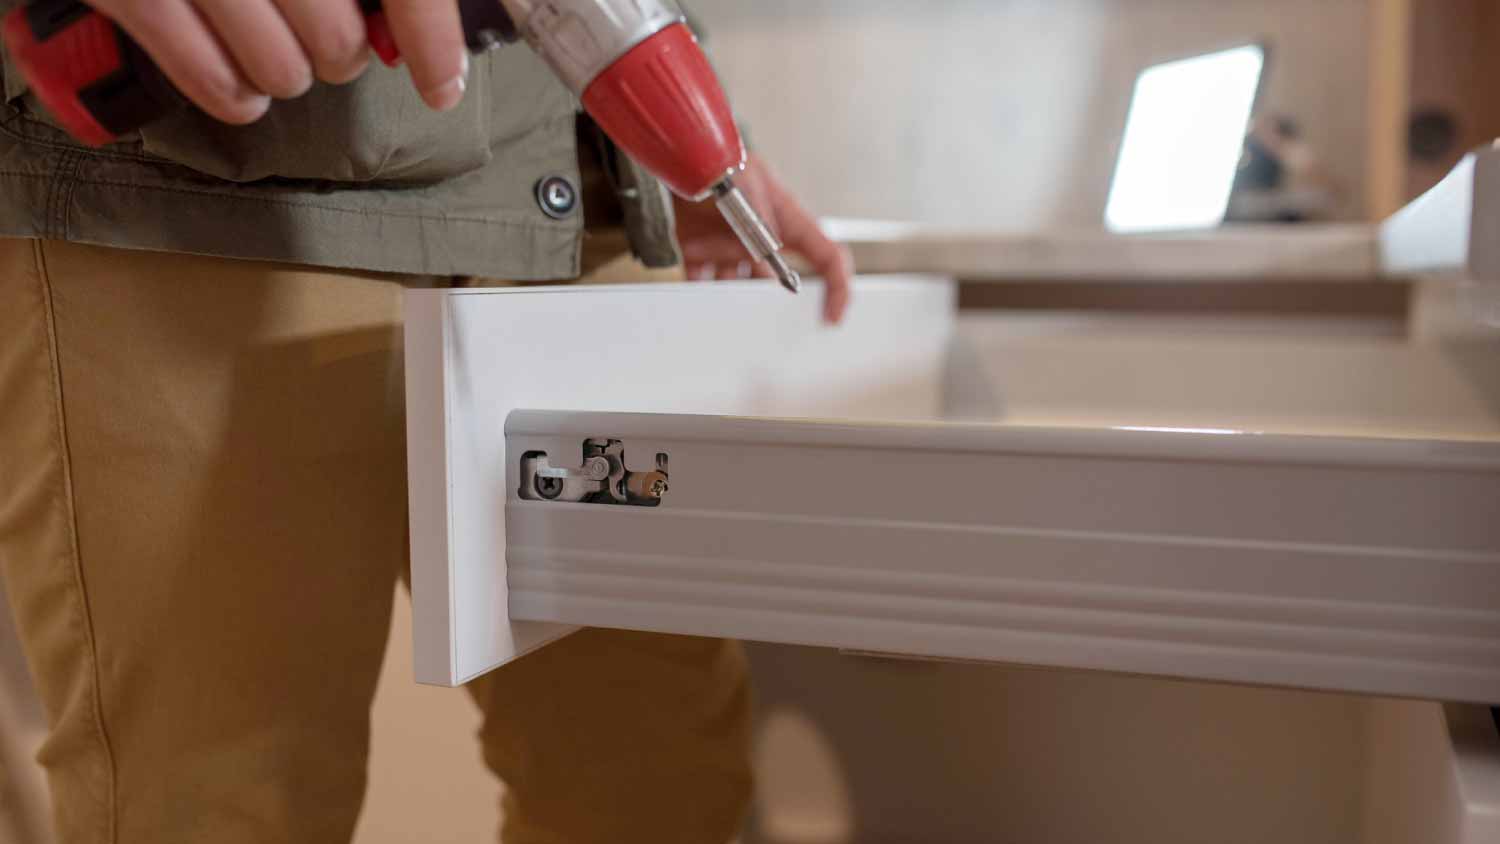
840	289
835	264
734	270
710	251
231	57
192	57
832	261
332	34
262	43
721	259
431	39
727	267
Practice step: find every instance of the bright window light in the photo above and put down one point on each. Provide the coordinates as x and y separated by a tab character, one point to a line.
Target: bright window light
1183	142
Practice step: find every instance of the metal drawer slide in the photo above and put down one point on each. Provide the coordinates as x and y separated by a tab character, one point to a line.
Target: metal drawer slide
1345	564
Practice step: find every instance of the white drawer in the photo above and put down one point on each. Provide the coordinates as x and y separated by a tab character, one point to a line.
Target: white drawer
1367	562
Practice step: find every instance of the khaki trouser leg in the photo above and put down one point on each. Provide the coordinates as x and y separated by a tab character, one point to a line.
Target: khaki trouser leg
200	533
621	737
202	511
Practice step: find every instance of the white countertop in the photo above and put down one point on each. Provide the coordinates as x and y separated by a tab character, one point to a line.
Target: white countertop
1453	228
1342	252
1452	231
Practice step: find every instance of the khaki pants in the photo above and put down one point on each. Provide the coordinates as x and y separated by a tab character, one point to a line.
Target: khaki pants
202	514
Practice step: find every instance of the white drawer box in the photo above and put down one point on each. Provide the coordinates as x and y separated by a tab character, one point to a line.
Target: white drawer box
1329	522
1203	549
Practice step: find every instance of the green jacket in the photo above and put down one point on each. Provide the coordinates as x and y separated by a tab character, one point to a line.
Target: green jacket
361	176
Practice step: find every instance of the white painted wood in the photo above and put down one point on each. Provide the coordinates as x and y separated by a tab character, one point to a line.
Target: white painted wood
1432	774
1453	228
1286	376
1349	564
1474	741
1433	233
1232	253
474	356
428	333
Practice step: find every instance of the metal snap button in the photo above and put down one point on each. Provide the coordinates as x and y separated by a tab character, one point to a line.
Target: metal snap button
556	196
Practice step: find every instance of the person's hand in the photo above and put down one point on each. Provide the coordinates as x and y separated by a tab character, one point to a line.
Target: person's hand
232	57
711	250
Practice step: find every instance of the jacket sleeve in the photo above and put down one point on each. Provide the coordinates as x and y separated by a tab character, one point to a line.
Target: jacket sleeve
11	85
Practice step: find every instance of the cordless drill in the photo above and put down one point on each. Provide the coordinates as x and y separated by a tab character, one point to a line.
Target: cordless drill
634	64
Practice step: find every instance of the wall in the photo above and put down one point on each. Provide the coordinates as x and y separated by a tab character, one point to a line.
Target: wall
1491	30
1410	779
1455	66
876	751
1007	113
25	811
1388	99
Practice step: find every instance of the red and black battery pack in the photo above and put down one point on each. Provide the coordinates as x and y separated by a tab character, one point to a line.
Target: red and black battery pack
92	77
98	84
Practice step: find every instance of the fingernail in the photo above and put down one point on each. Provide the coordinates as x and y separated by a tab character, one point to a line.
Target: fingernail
446	96
450	93
249	109
303	86
355	70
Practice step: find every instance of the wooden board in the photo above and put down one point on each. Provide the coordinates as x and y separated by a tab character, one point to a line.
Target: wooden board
474	357
1453	229
1234	253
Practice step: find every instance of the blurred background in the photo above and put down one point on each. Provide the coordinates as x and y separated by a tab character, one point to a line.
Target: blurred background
1009	113
1008	116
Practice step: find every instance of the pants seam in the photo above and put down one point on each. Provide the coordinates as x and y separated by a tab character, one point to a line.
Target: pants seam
66	502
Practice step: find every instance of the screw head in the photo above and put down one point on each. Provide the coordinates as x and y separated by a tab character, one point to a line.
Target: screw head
651	485
548	488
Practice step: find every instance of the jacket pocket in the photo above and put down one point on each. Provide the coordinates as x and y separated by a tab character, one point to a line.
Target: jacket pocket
374	130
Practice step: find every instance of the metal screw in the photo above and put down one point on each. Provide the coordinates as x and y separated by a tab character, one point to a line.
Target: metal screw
648	485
